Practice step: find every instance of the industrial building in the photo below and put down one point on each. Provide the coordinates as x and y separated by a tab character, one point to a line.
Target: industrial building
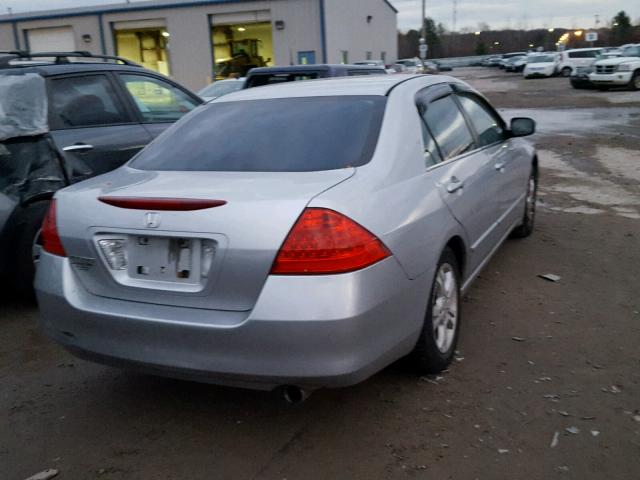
197	41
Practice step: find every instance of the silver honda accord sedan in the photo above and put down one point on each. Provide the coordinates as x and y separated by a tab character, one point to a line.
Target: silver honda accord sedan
302	235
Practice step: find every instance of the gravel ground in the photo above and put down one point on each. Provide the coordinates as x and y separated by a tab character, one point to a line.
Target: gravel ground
546	384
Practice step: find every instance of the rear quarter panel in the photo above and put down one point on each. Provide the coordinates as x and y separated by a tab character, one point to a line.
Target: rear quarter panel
394	196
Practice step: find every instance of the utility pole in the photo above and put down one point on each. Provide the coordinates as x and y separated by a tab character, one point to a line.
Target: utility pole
423	36
455	16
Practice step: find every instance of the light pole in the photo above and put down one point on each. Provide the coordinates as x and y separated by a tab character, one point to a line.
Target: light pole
423	36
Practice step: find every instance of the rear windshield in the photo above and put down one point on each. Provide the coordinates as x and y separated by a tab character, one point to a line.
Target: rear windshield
273	135
261	79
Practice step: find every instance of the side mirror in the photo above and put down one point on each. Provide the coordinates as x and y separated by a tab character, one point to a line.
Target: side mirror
521	127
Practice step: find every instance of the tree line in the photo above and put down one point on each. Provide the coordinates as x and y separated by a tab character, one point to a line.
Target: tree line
443	43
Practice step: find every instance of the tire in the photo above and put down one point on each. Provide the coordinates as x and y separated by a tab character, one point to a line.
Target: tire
436	347
529	217
26	248
634	84
566	72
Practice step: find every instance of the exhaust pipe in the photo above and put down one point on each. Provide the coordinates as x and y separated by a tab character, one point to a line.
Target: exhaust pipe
294	395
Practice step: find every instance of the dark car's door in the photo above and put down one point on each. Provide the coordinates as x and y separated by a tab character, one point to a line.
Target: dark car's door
157	102
92	124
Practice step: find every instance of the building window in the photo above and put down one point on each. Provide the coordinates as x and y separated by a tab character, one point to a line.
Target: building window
239	47
369	55
345	56
147	46
307	58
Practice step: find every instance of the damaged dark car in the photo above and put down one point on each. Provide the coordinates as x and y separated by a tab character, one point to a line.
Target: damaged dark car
63	121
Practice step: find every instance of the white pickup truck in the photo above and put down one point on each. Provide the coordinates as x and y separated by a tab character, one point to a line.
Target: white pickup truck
618	72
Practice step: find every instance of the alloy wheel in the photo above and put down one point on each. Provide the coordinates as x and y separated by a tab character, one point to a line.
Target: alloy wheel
530	211
445	308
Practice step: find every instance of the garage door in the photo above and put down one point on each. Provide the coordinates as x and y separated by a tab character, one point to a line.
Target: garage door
58	39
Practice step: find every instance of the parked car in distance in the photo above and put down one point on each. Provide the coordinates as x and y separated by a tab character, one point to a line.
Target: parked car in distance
258	77
102	111
491	61
413	65
579	79
443	67
220	88
505	58
431	67
623	71
516	64
541	65
284	235
371	63
397	68
577	57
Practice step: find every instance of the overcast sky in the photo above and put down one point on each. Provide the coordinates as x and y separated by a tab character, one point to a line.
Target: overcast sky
498	14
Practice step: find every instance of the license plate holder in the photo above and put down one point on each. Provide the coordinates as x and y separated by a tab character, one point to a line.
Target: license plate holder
165	259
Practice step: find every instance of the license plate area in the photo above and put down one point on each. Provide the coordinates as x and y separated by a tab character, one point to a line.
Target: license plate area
177	263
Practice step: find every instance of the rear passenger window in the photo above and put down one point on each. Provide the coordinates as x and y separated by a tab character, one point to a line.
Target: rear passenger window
84	101
487	126
448	126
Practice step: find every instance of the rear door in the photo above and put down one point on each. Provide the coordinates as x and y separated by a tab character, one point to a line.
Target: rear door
157	102
466	174
91	124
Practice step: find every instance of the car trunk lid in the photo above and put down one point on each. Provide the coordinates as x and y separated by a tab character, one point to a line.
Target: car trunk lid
215	256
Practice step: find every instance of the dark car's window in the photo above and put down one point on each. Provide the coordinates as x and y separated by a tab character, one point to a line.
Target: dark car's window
260	79
448	126
272	135
583	54
157	100
487	125
84	101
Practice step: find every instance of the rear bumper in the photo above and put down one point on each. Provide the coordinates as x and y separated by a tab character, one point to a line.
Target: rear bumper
618	78
324	331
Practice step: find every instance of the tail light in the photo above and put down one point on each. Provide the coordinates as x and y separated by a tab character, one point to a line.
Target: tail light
326	242
50	239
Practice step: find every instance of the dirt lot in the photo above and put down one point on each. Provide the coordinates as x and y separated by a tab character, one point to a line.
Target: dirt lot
547	382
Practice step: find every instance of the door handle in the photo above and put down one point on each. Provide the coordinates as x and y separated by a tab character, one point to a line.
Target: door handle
500	166
454	184
78	148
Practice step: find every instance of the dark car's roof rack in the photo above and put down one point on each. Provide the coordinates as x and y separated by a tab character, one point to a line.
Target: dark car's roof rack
60	58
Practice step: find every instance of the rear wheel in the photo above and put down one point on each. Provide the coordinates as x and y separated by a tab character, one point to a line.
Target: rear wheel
529	217
436	345
635	81
28	247
566	72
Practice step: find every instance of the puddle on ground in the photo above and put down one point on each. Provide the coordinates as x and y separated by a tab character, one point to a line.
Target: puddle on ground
592	194
576	120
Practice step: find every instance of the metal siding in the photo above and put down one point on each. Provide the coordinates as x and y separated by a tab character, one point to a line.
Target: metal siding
347	29
191	61
80	25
